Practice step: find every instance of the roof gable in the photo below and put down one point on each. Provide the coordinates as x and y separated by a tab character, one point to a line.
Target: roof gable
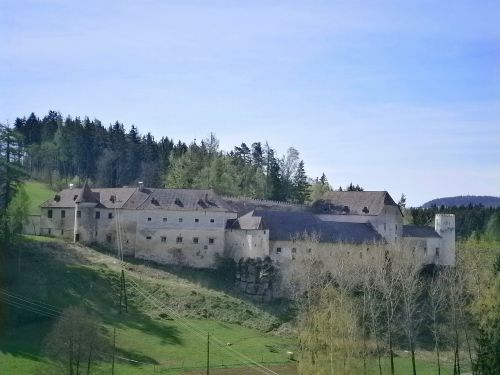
353	203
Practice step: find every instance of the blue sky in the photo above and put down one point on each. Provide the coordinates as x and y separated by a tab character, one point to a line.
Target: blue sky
401	96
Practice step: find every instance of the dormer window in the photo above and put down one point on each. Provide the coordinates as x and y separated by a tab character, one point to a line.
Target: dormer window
57	197
112	198
365	210
178	202
155	202
74	197
345	209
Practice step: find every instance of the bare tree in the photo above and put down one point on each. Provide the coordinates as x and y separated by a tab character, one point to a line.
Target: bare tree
437	300
388	282
408	263
76	341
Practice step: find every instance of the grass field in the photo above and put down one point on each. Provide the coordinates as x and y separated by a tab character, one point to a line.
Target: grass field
148	342
61	275
38	193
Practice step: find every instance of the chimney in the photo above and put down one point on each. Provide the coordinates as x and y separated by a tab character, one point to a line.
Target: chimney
71	186
141	185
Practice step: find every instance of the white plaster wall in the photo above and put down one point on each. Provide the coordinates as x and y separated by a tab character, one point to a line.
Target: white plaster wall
427	248
444	225
241	243
57	226
151	227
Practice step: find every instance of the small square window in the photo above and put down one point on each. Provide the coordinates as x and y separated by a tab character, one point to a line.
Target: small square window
196	220
180	220
49	214
149	219
165	219
195	239
211	241
148	237
278	249
212	220
205	247
294	250
178	239
163	239
63	214
78	214
110	215
98	214
309	250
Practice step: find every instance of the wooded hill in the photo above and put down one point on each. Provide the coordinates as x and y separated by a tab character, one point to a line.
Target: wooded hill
57	150
464	200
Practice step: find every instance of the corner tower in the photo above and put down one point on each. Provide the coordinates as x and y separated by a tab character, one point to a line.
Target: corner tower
85	205
444	224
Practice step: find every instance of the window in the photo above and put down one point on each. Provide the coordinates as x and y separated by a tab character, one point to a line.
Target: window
49	231
396	227
178	239
309	250
195	239
49	214
148	237
196	220
110	215
211	241
149	219
165	219
212	220
437	251
77	237
278	249
62	232
180	220
78	214
163	239
108	238
294	250
63	214
98	214
205	247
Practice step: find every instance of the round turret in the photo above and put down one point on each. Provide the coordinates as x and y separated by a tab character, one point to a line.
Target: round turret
444	224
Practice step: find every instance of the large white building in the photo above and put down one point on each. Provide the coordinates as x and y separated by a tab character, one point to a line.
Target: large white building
192	227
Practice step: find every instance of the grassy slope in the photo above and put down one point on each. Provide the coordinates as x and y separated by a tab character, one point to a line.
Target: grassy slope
63	275
38	193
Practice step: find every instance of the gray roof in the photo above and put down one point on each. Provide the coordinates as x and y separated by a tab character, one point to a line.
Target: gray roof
144	199
243	205
246	222
419	231
285	226
353	202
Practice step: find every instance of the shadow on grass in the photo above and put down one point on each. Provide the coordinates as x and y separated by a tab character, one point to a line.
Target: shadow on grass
283	309
45	276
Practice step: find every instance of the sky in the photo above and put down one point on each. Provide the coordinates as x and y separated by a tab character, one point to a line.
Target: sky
402	96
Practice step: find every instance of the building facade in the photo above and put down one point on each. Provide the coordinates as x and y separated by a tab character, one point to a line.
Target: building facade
193	227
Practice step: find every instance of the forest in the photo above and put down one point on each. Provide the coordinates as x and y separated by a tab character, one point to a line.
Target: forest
59	150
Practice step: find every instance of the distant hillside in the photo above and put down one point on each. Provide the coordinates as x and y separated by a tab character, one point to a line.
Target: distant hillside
464	200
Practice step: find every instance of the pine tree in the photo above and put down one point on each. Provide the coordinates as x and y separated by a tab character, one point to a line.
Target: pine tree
300	184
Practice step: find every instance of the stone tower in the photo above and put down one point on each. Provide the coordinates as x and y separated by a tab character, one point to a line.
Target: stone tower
85	205
444	224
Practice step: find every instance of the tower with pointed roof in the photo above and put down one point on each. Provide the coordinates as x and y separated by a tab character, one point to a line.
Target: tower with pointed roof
84	224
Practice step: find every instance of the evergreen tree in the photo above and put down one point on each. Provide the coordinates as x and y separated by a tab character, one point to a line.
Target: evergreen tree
300	184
